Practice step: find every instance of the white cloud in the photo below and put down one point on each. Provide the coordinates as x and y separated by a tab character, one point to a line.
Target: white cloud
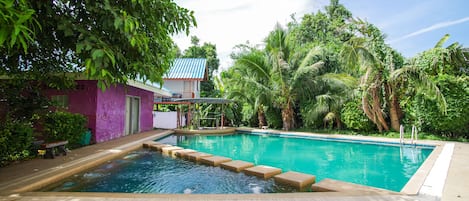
228	23
431	28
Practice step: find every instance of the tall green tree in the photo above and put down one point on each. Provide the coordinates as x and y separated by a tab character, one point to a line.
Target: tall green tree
111	41
376	60
249	82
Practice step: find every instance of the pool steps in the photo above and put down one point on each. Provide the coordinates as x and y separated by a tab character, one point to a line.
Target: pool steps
182	153
169	149
298	180
214	160
263	171
236	165
196	156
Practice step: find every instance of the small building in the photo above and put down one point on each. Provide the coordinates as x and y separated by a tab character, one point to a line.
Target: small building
118	111
184	77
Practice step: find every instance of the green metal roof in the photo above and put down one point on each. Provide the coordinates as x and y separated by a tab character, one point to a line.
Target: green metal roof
187	69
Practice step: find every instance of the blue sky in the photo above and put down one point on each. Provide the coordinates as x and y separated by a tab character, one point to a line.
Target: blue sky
411	26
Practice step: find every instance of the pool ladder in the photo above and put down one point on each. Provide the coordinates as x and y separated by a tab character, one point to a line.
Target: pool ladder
413	136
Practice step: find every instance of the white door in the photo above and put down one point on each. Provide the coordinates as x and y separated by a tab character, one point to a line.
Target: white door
132	115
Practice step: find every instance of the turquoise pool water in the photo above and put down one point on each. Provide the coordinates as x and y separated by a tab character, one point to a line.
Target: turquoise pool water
361	162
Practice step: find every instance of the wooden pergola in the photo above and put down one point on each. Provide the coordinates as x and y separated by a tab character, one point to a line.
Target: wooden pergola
190	101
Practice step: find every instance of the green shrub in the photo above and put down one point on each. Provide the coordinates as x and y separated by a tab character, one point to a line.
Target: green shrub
455	123
274	117
354	118
65	126
15	140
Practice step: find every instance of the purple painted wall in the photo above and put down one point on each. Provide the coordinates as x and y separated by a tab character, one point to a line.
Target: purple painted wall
82	100
110	111
106	110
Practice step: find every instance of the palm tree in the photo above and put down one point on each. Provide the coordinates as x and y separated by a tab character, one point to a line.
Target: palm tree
250	83
376	60
385	76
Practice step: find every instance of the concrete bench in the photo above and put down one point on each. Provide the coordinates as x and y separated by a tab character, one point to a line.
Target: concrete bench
51	146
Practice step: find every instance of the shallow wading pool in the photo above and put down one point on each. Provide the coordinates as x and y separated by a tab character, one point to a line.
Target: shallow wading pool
145	171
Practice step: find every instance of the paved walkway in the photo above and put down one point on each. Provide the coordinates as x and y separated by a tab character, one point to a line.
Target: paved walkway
457	181
22	175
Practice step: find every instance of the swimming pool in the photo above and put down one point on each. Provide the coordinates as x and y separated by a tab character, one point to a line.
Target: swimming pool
382	165
145	171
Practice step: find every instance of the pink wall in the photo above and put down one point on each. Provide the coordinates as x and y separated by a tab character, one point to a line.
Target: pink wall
110	111
106	110
82	100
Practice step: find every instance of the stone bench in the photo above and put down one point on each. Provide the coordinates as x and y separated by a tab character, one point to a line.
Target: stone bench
214	160
263	171
298	180
51	146
236	166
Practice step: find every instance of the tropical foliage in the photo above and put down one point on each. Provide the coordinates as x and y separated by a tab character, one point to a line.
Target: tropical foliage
331	70
44	43
110	41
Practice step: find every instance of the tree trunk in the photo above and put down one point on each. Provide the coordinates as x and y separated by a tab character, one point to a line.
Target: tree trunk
261	116
394	108
287	117
368	112
377	109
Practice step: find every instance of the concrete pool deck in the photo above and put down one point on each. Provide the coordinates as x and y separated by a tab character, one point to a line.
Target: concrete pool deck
18	180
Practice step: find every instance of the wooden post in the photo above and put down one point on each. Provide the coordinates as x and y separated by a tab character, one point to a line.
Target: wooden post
178	113
189	111
222	116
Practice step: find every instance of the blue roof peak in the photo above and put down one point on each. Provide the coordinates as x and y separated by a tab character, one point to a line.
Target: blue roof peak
187	69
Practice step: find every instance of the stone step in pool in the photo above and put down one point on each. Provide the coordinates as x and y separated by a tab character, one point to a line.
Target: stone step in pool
298	180
168	150
158	147
182	153
197	156
263	171
236	166
214	160
147	144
